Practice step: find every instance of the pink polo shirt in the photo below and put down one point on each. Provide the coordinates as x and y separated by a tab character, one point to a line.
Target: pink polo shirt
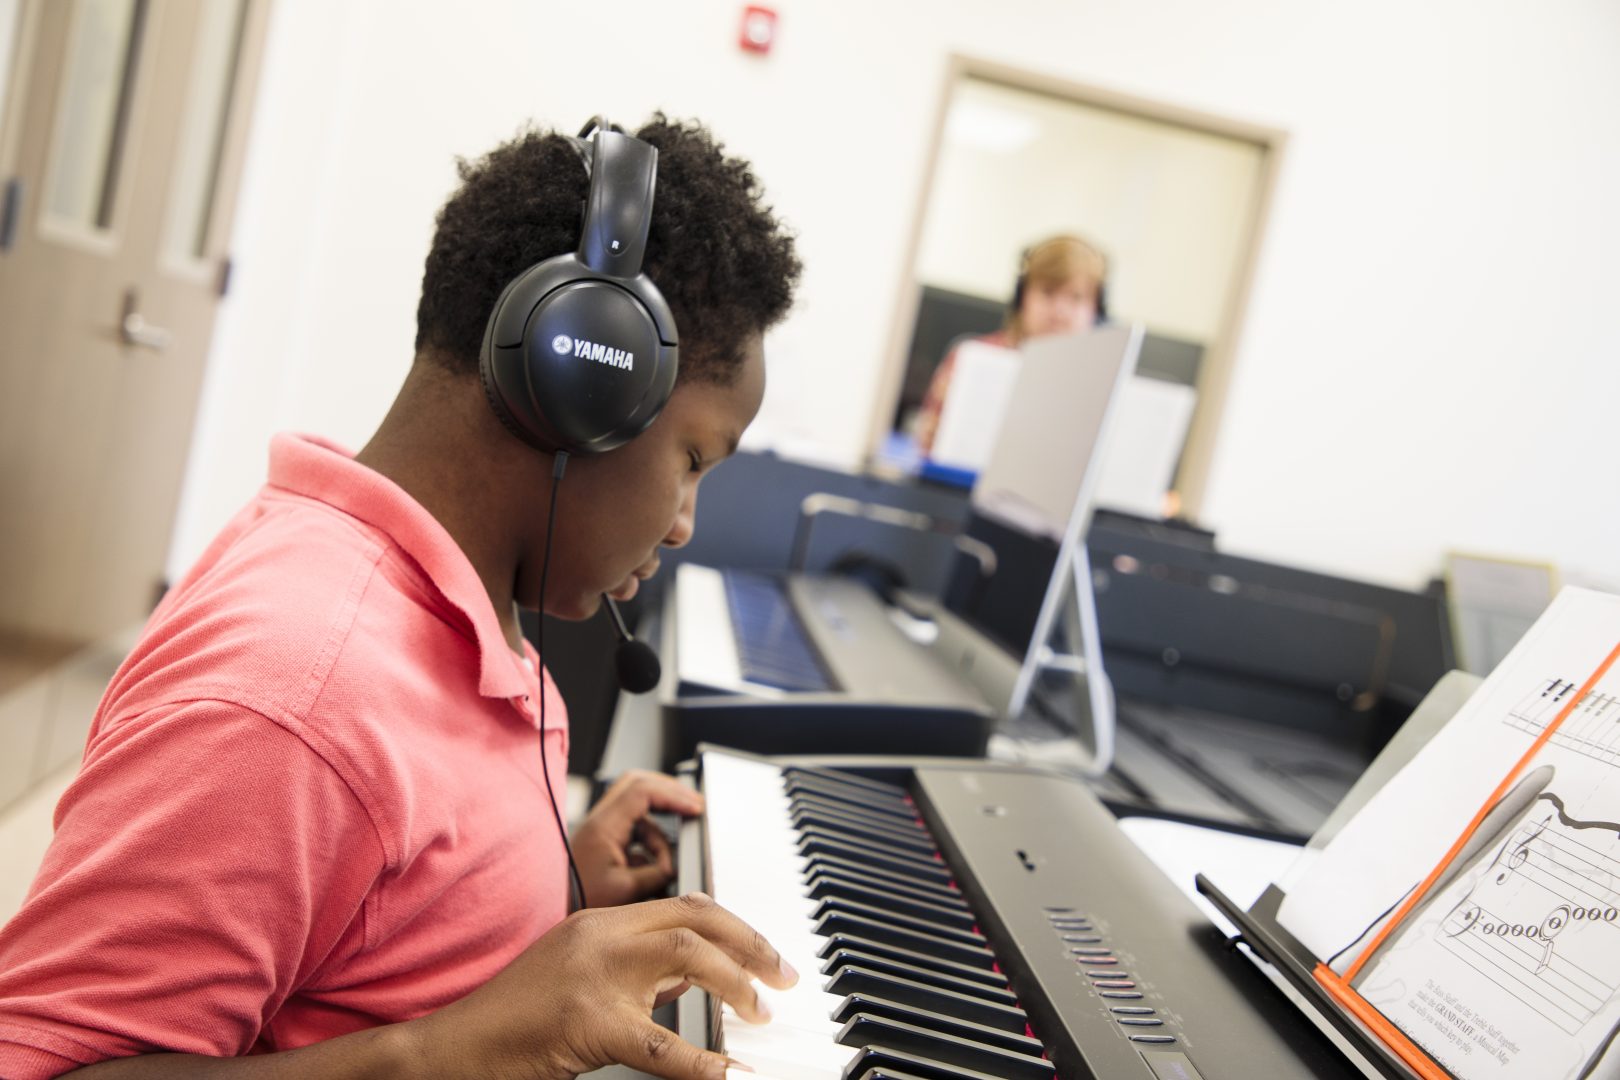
311	801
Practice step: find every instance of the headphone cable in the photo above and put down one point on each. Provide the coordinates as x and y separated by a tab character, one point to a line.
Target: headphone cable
560	464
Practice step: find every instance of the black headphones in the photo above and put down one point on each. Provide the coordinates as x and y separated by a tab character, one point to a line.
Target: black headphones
580	352
1023	279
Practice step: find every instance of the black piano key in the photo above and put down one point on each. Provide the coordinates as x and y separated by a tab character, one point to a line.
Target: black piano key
805	803
852	797
987	976
918	844
847	779
942	894
898	921
834	864
881	1073
815	842
891	816
842	960
908	849
875	1062
915	839
867	1030
1002	1039
839	922
890	898
866	982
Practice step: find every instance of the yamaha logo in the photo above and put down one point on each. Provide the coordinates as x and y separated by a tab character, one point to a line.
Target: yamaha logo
591	350
562	344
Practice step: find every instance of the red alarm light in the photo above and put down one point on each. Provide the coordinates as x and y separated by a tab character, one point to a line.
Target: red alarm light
758	30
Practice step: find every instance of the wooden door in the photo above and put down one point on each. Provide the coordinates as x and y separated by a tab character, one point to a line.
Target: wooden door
120	143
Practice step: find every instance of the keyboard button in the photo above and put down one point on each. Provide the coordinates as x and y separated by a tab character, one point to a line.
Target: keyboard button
1141	1021
1153	1038
1133	1010
1129	995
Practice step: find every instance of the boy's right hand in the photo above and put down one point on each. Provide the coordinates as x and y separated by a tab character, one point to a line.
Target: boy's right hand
581	996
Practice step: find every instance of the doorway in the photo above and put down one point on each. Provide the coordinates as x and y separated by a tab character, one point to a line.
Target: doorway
1175	199
122	128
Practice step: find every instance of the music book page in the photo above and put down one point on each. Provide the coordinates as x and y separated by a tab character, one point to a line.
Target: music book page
1475	900
975	405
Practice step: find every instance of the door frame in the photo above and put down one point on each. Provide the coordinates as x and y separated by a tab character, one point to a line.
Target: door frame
1215	371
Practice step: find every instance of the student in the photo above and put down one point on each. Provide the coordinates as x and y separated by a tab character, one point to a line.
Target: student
314	832
1059	290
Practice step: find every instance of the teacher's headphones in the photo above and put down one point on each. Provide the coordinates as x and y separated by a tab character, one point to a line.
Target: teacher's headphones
580	351
1081	249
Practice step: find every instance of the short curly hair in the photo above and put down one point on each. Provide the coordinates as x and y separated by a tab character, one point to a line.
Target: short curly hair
724	263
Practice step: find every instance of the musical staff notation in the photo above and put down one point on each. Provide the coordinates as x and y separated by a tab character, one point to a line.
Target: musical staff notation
1543	921
1592	729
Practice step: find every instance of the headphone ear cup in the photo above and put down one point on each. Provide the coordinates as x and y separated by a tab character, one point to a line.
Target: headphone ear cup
575	362
1102	303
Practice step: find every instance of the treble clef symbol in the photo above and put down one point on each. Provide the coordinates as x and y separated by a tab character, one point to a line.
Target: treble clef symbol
1521	851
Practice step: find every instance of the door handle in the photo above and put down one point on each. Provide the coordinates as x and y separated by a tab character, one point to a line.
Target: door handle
133	329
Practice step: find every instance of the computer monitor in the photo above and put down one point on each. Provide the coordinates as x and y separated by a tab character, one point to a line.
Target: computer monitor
1040	482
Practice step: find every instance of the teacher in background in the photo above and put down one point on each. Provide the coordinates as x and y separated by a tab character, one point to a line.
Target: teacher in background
1059	290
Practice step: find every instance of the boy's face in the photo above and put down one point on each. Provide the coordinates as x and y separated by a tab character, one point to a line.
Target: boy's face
615	511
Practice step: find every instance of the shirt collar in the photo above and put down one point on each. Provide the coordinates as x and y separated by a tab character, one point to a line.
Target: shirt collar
318	469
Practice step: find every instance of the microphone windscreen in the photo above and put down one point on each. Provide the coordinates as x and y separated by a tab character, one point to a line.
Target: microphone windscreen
638	666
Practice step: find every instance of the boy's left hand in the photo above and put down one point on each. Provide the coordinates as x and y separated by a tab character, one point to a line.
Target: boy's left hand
621	852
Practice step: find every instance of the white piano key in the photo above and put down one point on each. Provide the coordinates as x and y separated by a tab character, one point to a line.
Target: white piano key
787	1053
757	874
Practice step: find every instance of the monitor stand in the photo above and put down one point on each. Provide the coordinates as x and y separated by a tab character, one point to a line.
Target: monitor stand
1069	597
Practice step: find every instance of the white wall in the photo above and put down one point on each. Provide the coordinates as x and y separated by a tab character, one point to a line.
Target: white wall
1429	359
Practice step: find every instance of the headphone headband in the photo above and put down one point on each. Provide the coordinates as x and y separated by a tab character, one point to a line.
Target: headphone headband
618	212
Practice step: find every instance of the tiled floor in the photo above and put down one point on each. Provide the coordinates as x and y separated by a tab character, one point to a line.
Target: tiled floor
23	658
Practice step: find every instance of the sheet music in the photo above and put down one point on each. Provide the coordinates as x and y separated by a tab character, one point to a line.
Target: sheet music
1510	965
1139	462
975	405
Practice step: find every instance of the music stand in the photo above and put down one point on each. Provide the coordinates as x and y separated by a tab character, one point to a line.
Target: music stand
1041	479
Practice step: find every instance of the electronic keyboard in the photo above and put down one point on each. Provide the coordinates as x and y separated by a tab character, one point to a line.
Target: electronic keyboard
782	664
960	920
